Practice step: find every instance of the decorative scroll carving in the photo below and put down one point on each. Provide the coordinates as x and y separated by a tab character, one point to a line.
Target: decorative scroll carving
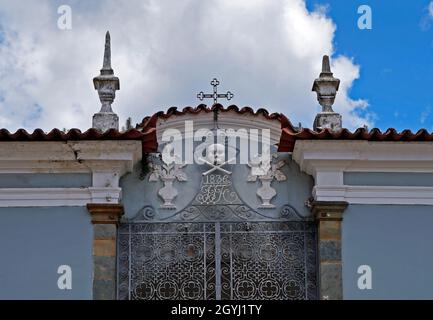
266	171
217	200
167	174
289	213
147	213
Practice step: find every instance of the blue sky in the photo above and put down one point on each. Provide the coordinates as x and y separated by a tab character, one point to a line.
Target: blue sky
267	52
395	58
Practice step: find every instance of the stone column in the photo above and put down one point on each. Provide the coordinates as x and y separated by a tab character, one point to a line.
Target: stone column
329	216
105	218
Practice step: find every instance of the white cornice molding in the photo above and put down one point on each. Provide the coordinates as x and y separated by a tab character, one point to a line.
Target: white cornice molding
345	155
107	161
71	156
57	197
375	194
327	160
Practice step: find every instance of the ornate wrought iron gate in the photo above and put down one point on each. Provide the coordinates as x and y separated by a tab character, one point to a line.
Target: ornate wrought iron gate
243	260
217	248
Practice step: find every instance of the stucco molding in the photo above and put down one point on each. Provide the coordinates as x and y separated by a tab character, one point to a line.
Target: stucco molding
347	155
375	194
72	156
225	121
107	161
327	161
53	197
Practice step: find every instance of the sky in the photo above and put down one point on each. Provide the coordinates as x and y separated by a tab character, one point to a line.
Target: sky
267	53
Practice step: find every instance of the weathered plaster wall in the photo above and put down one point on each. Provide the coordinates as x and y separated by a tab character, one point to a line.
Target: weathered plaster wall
34	242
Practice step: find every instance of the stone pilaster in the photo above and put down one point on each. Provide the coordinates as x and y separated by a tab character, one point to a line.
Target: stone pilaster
105	218
329	216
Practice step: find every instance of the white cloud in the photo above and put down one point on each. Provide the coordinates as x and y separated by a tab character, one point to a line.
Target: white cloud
425	21
267	52
430	9
425	114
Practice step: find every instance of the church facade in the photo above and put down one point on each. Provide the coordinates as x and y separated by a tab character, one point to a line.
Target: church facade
211	203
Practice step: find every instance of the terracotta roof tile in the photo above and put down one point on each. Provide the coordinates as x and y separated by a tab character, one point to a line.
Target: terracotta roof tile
289	136
146	131
148	138
150	122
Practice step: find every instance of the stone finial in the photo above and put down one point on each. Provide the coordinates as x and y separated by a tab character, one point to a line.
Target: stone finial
106	84
106	64
326	87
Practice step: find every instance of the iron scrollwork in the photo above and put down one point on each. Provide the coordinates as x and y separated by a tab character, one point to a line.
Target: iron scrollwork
217	247
249	260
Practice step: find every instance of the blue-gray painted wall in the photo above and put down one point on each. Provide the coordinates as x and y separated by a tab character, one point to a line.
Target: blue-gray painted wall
45	180
138	191
395	241
34	242
421	179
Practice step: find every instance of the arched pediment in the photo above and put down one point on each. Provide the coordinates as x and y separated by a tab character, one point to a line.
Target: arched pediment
231	117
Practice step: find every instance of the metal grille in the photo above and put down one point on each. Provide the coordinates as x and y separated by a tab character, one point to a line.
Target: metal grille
217	260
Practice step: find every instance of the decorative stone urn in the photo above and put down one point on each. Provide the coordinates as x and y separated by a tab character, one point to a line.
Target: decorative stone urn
167	174
168	193
266	192
272	171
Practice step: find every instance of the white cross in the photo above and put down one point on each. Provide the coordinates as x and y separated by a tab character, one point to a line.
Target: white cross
216	166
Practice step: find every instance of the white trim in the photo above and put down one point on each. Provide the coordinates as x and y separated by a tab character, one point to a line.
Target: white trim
370	156
53	197
327	160
226	120
375	194
107	161
71	156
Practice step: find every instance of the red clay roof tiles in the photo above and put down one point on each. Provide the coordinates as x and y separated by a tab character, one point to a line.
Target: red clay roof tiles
146	131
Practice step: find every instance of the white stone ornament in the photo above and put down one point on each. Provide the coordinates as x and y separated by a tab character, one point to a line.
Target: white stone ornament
167	174
106	84
268	172
215	155
326	87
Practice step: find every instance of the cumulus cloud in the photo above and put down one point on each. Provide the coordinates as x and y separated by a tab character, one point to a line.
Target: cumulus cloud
267	52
